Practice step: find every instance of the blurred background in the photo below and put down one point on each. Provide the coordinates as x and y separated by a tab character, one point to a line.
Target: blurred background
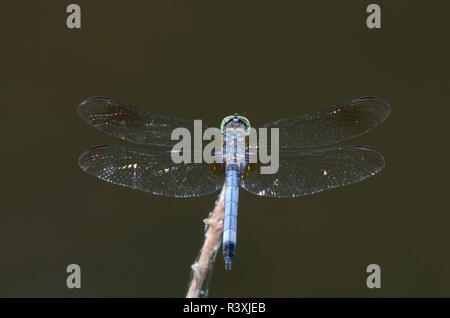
205	60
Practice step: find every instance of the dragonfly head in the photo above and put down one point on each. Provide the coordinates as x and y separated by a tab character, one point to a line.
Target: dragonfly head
235	121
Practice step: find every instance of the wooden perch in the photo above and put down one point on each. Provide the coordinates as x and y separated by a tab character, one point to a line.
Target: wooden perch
213	239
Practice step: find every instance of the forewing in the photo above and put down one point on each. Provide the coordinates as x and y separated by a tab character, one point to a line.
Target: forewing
333	124
149	170
131	123
305	172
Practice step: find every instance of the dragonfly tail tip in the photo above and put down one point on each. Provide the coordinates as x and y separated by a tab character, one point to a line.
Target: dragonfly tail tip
228	264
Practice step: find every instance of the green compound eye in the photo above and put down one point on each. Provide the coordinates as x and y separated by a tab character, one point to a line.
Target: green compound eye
224	121
245	121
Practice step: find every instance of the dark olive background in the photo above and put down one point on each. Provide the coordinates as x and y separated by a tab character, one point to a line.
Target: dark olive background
205	60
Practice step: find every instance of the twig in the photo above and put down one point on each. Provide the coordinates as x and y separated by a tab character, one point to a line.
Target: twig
213	238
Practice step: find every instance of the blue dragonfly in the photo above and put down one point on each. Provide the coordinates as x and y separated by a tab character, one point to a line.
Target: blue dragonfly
309	161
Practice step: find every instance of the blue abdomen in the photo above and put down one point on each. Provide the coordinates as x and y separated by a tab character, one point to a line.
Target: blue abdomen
231	211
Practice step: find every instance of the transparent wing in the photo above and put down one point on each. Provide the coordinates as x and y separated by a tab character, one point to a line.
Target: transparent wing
333	124
305	172
131	123
149	170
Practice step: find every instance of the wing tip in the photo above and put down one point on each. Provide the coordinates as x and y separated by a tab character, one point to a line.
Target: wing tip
374	152
381	101
86	102
88	151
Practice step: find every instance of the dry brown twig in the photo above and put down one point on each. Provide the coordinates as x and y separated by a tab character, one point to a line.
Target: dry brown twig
213	238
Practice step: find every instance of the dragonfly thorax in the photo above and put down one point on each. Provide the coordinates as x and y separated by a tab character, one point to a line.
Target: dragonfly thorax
235	137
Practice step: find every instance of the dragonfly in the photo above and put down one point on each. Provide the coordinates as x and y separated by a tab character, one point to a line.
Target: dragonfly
309	159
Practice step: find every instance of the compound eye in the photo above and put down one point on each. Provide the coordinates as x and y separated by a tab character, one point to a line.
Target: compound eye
245	120
224	121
